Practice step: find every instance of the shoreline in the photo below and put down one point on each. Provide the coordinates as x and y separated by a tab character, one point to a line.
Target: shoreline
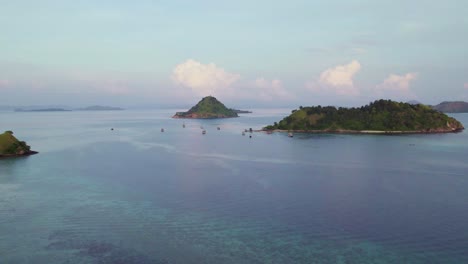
19	155
363	132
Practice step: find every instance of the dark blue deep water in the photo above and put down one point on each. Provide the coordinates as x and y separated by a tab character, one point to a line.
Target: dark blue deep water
136	195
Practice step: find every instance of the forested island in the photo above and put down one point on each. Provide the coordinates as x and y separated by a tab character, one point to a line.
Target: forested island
10	146
379	117
209	107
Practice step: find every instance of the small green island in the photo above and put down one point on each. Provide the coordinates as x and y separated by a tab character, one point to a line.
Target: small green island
379	117
208	108
10	146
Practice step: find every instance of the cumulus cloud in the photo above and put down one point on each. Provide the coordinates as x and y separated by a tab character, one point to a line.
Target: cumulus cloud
341	75
397	86
398	83
337	80
268	90
203	79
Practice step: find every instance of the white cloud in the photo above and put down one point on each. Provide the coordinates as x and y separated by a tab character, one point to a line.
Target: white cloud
269	90
341	75
398	83
203	79
397	86
337	80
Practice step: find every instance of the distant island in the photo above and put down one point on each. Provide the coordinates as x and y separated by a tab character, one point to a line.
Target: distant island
10	146
209	107
241	111
100	108
379	117
42	110
452	107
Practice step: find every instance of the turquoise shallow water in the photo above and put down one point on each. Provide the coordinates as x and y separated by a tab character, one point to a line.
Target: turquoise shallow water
136	195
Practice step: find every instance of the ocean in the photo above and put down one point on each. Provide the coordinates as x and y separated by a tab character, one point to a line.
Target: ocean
135	194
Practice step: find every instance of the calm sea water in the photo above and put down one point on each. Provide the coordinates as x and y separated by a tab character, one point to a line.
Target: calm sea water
136	195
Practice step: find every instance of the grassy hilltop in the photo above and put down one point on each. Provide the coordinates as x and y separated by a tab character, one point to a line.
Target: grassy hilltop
381	115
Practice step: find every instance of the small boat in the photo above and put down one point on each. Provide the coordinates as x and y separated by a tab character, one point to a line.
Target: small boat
219	128
250	130
183	125
243	133
246	130
162	129
250	136
290	134
112	128
203	132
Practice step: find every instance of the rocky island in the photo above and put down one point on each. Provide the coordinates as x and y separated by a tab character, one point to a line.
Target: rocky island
209	107
10	146
379	117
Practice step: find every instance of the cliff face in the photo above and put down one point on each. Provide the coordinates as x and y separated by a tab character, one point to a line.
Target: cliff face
11	146
452	107
208	107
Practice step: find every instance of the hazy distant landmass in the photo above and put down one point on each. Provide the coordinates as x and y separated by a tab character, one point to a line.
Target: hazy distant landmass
101	108
379	117
413	102
241	111
10	146
42	110
452	107
208	107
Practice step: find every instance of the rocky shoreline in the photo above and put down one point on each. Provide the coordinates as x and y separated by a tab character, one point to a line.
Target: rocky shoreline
29	153
201	116
373	132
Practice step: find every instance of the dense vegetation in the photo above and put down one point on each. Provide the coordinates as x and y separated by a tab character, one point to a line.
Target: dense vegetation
381	115
9	145
208	107
452	107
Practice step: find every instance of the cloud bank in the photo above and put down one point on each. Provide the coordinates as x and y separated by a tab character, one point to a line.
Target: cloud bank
268	90
337	80
203	79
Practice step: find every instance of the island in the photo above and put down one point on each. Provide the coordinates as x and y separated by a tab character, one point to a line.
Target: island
452	107
42	110
379	117
241	111
100	108
208	108
10	146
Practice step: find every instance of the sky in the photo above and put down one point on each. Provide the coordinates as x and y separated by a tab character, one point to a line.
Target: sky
246	53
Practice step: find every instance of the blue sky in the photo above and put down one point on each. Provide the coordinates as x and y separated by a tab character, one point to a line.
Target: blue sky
262	53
